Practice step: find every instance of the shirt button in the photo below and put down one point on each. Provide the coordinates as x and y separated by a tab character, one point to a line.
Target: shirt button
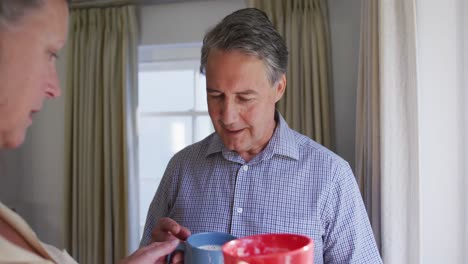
239	210
245	167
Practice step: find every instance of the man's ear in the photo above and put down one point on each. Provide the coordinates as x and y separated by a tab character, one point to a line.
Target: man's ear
280	87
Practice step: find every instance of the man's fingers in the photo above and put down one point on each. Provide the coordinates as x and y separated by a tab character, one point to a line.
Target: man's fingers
168	229
170	226
184	233
162	236
166	224
164	229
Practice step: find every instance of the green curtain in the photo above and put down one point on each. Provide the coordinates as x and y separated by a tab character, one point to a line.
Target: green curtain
304	26
101	71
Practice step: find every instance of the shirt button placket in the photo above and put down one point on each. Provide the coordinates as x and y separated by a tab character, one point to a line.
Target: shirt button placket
238	200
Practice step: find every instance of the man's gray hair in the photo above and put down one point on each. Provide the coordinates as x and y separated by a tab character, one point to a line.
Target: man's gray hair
251	32
13	10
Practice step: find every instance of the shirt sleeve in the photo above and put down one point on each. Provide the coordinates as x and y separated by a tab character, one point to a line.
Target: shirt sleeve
160	205
348	234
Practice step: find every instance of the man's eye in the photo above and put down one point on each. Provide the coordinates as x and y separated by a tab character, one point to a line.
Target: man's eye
215	95
245	99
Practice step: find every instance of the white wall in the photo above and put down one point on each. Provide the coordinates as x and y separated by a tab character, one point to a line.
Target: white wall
440	89
464	15
345	17
183	22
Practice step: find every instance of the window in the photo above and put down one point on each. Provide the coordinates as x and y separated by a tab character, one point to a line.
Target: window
172	114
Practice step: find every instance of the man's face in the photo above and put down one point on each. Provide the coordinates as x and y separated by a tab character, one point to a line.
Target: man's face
28	75
241	101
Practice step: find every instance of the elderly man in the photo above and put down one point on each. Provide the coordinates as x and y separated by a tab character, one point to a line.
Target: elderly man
255	174
31	34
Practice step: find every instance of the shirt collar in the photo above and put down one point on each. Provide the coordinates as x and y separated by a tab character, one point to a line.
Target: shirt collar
283	142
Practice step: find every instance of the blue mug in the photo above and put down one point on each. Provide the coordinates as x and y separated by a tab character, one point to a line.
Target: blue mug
205	248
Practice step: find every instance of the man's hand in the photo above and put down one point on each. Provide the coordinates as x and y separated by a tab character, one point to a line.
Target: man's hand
155	252
169	230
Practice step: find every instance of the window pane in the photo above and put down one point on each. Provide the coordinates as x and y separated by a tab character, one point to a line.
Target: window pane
160	138
203	127
166	90
200	103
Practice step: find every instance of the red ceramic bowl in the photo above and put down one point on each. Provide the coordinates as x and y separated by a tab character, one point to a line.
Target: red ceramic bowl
269	249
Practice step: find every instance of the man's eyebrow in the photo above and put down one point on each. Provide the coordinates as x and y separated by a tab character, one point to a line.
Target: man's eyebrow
247	92
210	90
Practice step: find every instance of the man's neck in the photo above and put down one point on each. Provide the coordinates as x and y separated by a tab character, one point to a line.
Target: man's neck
249	155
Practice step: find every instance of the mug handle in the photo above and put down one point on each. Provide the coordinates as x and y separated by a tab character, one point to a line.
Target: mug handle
180	247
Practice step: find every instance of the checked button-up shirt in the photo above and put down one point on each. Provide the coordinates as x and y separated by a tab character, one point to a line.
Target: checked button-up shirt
294	185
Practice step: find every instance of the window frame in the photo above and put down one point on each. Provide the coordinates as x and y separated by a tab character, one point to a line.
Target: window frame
160	58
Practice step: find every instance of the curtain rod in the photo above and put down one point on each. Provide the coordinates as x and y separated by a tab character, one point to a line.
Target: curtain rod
100	3
110	3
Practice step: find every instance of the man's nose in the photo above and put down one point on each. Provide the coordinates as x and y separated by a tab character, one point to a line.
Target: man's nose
230	113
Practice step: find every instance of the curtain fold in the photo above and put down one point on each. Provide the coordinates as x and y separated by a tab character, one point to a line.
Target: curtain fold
304	26
367	156
102	50
130	133
399	132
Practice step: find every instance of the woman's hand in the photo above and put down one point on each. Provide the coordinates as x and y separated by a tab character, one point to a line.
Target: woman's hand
168	230
154	253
